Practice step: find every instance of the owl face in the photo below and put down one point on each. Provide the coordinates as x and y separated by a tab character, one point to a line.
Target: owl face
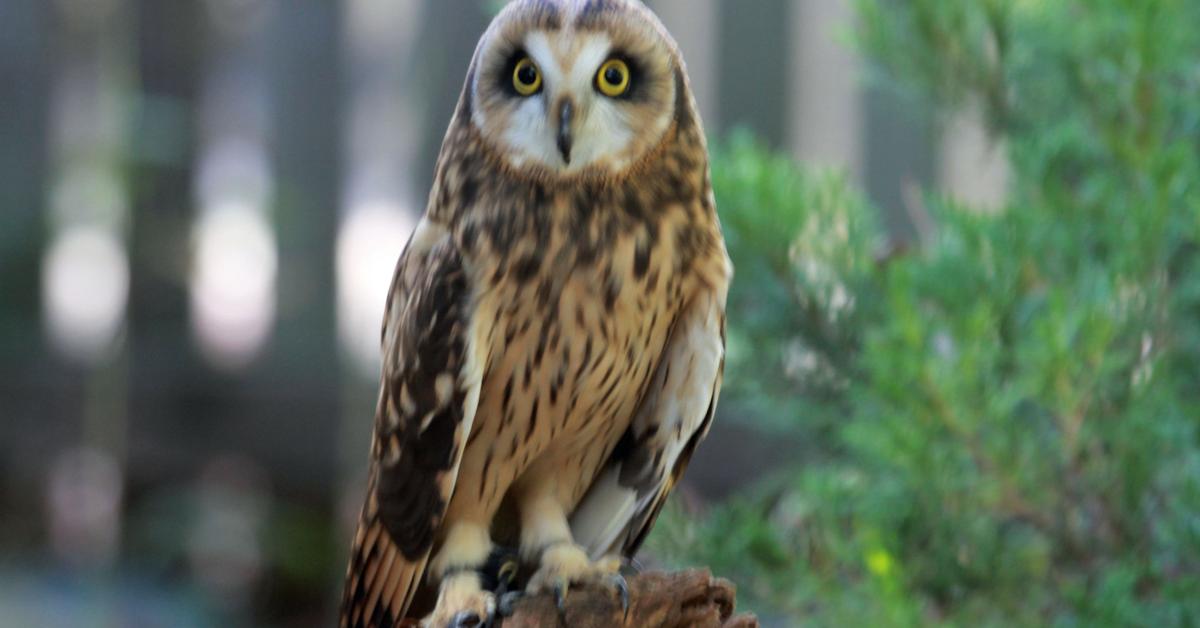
571	87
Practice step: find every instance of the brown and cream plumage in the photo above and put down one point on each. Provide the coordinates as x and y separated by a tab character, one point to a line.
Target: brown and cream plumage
554	335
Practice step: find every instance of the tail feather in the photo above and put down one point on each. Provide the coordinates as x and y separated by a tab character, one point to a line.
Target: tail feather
380	582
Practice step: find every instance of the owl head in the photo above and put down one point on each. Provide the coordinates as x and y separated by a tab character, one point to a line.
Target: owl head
567	88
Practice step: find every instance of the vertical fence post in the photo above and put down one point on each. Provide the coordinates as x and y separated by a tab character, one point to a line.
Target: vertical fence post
826	110
693	23
24	87
753	67
234	260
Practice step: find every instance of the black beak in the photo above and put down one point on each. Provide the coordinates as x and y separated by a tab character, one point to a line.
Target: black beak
566	113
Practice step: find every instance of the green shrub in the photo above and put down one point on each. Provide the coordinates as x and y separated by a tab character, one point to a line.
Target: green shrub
1007	416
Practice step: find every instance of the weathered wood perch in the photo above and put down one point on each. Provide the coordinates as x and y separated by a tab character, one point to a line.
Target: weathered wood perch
684	599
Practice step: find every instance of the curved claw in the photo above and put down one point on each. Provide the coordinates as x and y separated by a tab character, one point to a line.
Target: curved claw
561	588
508	602
505	577
507	574
465	619
622	587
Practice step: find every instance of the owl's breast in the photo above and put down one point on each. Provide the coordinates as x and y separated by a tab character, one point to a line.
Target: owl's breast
590	322
579	323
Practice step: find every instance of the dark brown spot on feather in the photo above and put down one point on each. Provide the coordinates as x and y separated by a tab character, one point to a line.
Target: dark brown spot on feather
487	467
533	419
526	268
641	258
544	292
612	289
541	350
608	373
634	205
608	392
467	237
652	281
587	355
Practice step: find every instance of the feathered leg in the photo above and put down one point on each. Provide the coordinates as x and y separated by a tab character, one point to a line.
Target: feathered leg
546	541
462	601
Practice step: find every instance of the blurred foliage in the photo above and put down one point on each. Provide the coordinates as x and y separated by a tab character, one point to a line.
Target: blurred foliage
1009	412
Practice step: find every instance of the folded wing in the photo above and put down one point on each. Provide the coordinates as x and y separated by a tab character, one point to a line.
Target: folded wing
428	395
673	417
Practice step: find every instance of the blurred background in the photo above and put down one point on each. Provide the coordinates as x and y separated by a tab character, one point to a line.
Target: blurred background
964	374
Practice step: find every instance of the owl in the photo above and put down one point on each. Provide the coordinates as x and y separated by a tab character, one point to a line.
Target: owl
554	338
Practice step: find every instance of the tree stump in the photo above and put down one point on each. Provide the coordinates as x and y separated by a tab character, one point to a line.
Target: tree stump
683	599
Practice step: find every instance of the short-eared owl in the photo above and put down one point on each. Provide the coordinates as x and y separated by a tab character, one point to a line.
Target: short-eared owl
554	336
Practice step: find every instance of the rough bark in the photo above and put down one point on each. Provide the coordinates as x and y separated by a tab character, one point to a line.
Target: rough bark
683	599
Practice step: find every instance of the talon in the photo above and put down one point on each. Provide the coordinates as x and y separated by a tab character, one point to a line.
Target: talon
465	619
507	574
622	587
505	577
561	587
508	603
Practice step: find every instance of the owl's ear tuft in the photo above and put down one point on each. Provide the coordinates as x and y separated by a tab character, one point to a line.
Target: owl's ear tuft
466	107
683	109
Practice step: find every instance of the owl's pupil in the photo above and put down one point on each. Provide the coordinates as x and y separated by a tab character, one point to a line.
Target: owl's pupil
527	75
612	76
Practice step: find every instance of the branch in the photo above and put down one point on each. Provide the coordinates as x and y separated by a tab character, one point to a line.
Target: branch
668	600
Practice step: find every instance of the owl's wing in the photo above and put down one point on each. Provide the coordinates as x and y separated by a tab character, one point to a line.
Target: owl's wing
673	417
428	395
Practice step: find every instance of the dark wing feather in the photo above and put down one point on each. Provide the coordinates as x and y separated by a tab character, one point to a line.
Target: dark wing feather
426	405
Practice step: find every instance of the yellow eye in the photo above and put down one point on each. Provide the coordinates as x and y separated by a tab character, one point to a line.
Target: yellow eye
526	78
613	78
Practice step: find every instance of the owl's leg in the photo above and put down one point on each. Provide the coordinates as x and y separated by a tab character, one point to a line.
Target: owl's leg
547	542
462	602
